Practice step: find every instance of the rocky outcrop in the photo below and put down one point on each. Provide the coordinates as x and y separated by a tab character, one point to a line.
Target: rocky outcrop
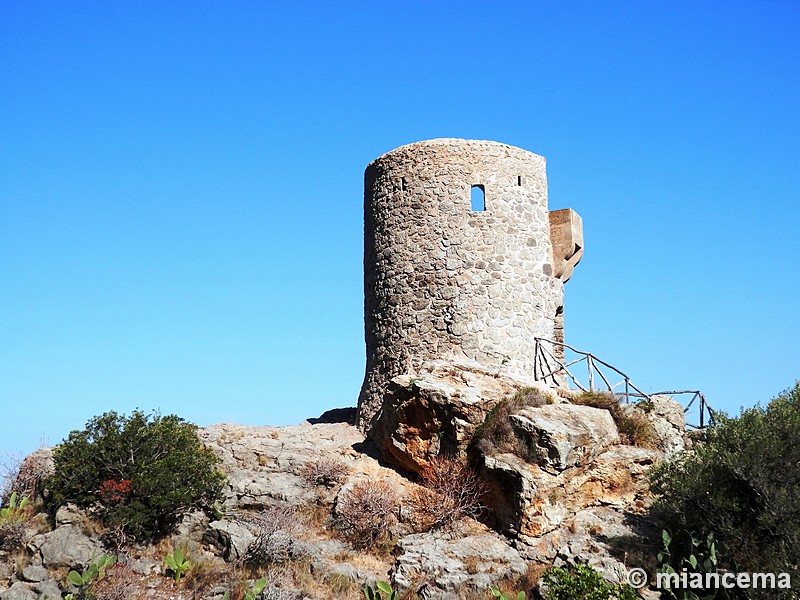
19	591
474	561
66	546
565	435
438	409
668	420
575	491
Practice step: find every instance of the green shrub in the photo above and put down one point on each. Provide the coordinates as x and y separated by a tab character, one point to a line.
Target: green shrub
141	472
692	555
742	486
582	582
633	426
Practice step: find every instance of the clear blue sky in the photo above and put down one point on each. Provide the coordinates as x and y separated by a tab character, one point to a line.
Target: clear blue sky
181	190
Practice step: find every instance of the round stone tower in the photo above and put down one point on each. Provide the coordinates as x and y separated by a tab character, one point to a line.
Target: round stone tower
461	260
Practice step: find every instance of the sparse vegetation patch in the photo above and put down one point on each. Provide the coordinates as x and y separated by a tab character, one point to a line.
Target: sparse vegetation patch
366	511
634	428
451	492
496	435
325	471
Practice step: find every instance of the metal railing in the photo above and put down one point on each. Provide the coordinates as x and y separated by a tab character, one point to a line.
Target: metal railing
551	369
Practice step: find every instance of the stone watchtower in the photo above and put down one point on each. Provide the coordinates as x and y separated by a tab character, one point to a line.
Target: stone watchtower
461	260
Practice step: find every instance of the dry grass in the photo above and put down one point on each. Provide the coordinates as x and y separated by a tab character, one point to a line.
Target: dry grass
496	435
342	586
325	471
277	531
366	512
633	426
206	574
122	583
452	491
314	514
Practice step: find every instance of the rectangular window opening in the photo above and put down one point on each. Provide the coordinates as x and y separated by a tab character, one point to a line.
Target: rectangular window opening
478	198
519	179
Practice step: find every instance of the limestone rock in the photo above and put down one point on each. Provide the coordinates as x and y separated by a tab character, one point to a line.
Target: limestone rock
32	472
438	409
263	463
145	566
35	573
566	434
66	546
668	421
69	514
231	537
47	590
473	561
532	501
570	507
18	591
7	567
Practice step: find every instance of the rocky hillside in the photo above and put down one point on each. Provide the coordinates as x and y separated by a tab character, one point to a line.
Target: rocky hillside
315	510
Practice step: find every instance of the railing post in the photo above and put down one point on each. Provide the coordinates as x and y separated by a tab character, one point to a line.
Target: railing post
702	410
590	365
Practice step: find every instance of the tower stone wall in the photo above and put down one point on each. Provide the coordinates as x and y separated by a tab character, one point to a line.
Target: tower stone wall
443	280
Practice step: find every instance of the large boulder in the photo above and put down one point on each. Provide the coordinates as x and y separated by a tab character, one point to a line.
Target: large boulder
18	591
565	434
438	409
529	500
263	464
231	537
453	564
668	420
66	546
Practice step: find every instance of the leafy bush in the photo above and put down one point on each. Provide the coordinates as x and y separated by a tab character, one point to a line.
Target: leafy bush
451	492
141	472
633	426
496	433
741	485
366	511
582	582
691	555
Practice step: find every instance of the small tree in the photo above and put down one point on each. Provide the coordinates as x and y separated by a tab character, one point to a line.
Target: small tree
142	472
